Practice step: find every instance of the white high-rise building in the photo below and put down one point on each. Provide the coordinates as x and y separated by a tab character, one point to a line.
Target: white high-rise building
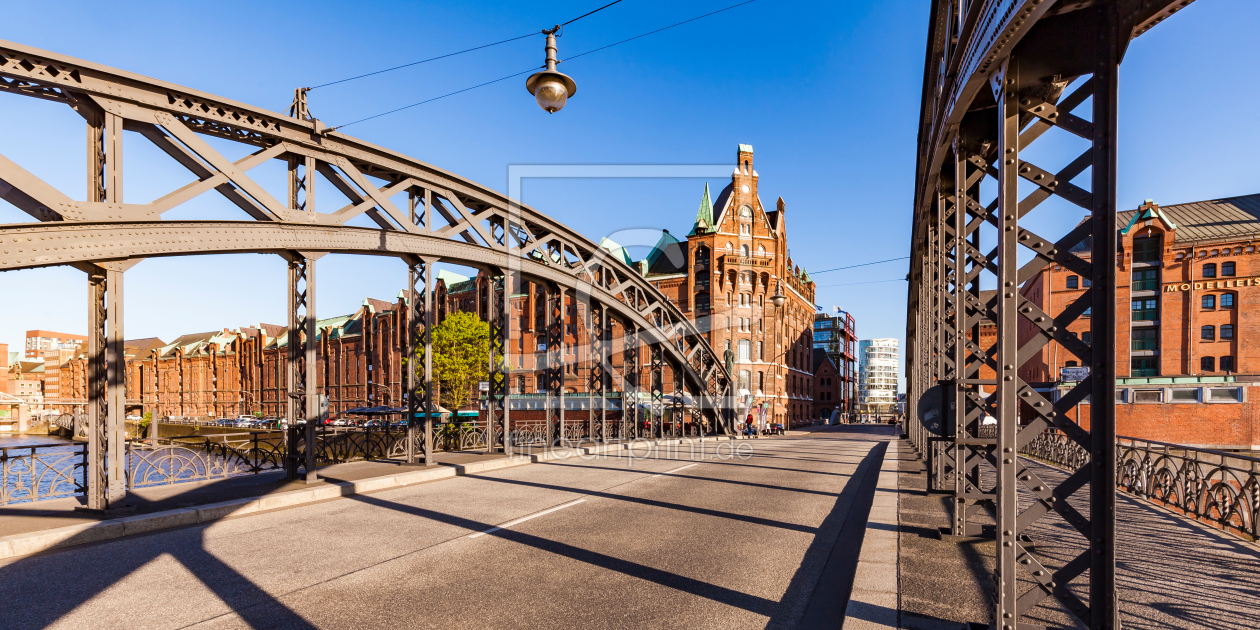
877	375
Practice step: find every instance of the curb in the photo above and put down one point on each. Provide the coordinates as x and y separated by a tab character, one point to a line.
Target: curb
875	601
34	542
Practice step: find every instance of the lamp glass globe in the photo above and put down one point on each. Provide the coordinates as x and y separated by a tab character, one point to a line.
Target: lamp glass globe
551	95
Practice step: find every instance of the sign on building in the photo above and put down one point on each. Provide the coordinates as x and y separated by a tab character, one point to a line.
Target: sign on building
1073	374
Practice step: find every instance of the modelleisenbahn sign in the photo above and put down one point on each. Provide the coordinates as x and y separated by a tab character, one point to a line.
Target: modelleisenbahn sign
1214	285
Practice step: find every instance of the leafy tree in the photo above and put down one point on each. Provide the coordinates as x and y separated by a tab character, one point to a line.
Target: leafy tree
461	347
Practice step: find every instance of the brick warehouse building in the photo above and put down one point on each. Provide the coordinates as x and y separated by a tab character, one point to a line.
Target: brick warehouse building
722	276
1188	310
740	257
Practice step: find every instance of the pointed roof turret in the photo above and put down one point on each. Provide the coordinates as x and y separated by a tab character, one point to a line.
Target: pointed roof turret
704	216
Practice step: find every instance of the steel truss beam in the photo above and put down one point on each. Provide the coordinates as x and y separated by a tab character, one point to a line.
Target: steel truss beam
1027	53
459	221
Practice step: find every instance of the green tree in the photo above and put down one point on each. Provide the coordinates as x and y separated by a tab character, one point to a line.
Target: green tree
461	349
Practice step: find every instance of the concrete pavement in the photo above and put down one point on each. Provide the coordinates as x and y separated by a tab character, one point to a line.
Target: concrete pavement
682	539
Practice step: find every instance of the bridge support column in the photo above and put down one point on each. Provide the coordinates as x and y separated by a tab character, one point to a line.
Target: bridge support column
657	384
555	305
969	449
106	474
303	388
630	392
419	359
498	305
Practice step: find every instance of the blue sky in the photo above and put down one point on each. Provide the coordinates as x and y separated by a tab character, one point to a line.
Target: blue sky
826	92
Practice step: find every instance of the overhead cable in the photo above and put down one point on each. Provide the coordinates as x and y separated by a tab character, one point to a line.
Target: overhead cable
814	273
416	63
665	28
849	284
592	12
536	67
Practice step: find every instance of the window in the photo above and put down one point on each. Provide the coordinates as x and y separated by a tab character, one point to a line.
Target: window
1227	300
1209	270
1146	280
743	351
1070	363
1144	366
1145	310
1085	282
1207	364
746	251
1225	394
1227	331
761	381
1227	269
761	351
1148	395
1185	395
744	376
1087	337
1072	281
1207	333
1146	249
1227	364
1209	302
1145	339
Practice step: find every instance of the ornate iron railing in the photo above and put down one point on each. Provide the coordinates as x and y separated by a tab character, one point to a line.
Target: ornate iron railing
41	471
1215	487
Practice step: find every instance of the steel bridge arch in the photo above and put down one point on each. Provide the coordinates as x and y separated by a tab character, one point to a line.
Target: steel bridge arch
996	78
448	218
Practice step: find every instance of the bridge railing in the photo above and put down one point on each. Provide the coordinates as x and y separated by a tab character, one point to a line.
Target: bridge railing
41	471
1215	487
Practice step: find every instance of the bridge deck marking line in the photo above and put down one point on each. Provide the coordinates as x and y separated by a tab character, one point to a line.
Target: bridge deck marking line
526	518
673	471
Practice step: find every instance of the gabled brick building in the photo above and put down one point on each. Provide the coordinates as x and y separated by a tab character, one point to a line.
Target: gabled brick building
1188	314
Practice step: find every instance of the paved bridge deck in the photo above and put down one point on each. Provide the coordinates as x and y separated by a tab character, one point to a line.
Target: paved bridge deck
1172	572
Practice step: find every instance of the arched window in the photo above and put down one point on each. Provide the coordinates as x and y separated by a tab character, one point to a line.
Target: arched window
1209	270
761	381
1227	331
1207	364
1227	300
1227	269
1208	333
744	346
746	251
729	247
761	249
1227	364
1072	281
1209	302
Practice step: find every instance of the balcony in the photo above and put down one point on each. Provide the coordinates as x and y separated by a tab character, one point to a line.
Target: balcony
734	260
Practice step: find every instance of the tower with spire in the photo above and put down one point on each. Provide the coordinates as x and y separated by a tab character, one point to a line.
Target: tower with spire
723	275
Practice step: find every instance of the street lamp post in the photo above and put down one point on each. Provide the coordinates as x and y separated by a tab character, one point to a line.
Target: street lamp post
778	300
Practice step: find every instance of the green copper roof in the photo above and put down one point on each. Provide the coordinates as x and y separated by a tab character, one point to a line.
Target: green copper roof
1145	213
704	216
450	277
610	246
658	250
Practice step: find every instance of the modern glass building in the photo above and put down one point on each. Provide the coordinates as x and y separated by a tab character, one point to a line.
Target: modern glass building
877	375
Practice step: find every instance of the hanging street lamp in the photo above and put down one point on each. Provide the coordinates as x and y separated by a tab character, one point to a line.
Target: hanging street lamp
552	89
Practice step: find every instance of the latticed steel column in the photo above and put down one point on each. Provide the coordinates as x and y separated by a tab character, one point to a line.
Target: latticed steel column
676	413
303	394
657	370
419	359
630	395
497	305
969	449
554	375
1009	549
